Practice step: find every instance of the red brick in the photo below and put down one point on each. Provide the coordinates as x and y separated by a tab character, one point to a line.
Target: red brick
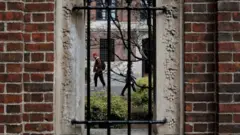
1	109
2	87
236	118
2	26
38	87
2	68
26	117
199	68
49	57
199	57
27	17
198	17
187	27
199	47
50	17
36	97
14	26
1	47
231	108
236	16
37	77
15	6
187	7
12	16
38	108
193	37
14	128
228	6
1	126
199	27
27	37
188	128
39	67
11	37
14	67
188	67
188	47
13	108
38	127
39	47
199	117
42	27
26	77
10	118
10	77
224	57
228	67
36	117
48	117
2	7
200	127
225	78
38	17
50	37
188	107
228	26
12	98
37	56
48	97
40	7
38	37
224	16
14	47
14	88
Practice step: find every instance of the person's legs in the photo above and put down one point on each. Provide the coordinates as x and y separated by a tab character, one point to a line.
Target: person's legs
95	79
124	89
101	78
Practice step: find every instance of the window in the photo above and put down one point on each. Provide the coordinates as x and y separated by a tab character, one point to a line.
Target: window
104	49
144	13
102	14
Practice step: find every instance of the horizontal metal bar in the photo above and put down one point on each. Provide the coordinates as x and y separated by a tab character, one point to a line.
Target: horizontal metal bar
119	8
73	122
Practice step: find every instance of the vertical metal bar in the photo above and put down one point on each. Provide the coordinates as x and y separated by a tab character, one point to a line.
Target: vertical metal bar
129	65
150	69
109	65
154	54
88	67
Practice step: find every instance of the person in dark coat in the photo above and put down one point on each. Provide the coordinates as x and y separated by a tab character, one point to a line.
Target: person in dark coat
98	70
130	82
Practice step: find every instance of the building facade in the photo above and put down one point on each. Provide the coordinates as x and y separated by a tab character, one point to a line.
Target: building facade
29	37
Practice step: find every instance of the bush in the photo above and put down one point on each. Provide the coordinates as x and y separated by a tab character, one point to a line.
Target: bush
140	97
98	108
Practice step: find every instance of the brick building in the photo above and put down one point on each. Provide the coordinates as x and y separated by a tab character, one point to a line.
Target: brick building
29	72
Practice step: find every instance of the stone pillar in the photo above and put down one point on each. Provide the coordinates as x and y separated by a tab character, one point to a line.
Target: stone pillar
70	67
168	68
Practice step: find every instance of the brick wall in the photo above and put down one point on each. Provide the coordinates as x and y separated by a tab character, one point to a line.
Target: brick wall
200	16
26	67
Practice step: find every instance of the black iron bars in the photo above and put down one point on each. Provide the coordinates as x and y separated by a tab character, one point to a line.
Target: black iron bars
88	121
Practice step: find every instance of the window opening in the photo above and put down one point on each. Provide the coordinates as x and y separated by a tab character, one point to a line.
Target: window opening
107	52
104	49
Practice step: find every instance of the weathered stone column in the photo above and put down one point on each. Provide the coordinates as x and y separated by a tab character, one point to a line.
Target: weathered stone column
70	67
168	68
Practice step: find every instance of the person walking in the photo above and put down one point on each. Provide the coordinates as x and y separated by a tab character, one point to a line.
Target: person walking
130	82
98	68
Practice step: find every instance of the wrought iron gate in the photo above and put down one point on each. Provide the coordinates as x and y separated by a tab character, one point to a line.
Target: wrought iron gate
150	9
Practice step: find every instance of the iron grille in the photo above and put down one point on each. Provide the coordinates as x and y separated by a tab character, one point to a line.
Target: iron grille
150	10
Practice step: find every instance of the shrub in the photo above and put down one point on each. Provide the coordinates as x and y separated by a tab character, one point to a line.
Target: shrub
98	108
140	97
